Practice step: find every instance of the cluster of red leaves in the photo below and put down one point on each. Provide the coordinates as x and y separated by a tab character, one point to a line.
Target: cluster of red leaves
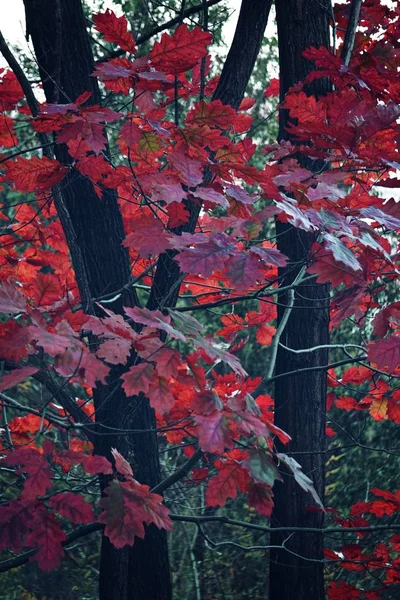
164	167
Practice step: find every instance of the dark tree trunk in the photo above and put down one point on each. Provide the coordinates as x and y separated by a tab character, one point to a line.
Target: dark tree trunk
94	231
59	36
300	400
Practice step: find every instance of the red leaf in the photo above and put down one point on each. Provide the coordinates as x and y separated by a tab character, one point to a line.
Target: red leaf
167	362
72	507
265	334
178	215
181	51
230	478
385	354
36	468
16	377
126	507
160	395
244	270
207	256
383	320
122	465
149	236
10	90
213	432
46	536
33	174
95	464
272	88
260	498
205	402
138	379
12	301
115	30
15	524
342	591
155	319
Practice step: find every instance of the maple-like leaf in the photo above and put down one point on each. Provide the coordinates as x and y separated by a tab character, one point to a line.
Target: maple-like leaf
15	523
205	402
385	354
265	334
34	174
387	316
72	507
16	377
10	89
214	114
46	536
181	51
178	215
230	479
213	432
244	270
167	362
149	237
115	30
160	395
12	300
340	590
216	351
138	379
260	497
37	469
206	257
189	169
95	464
126	507
272	88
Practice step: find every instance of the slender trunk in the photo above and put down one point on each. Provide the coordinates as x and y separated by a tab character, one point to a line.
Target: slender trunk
300	400
65	61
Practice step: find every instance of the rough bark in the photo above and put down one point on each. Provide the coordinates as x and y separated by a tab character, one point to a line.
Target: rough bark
300	400
94	231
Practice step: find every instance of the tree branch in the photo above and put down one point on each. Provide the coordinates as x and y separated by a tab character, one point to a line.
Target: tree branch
18	561
350	36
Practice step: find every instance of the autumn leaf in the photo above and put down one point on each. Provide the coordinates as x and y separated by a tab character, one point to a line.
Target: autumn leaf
72	507
181	51
37	469
115	30
46	536
138	379
214	432
121	464
16	377
126	507
230	479
385	354
34	174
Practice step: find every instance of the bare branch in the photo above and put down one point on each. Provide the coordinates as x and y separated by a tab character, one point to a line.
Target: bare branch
350	36
84	530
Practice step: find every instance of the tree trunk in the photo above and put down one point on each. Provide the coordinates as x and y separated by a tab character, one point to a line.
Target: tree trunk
300	399
59	36
94	231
